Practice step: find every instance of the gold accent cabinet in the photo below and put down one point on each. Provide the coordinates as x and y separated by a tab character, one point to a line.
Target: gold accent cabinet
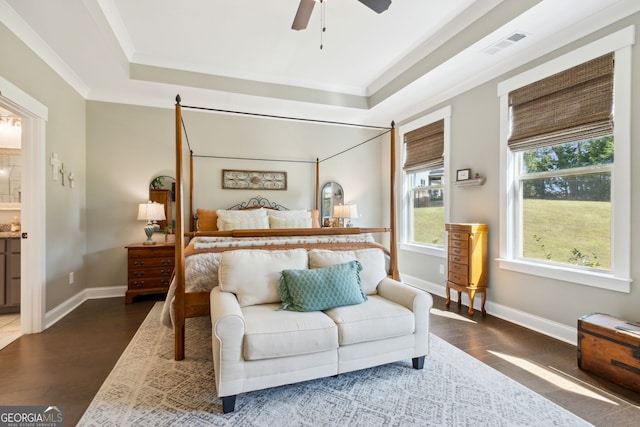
467	261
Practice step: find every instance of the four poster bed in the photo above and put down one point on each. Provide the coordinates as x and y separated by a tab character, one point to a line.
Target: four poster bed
211	233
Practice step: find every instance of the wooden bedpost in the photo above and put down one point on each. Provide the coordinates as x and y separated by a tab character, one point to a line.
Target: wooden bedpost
393	244
191	213
318	185
179	305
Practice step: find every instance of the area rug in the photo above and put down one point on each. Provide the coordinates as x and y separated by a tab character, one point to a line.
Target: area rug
148	388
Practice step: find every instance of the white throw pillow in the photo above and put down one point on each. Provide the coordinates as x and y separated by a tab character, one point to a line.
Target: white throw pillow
372	260
252	274
290	214
276	222
239	214
245	223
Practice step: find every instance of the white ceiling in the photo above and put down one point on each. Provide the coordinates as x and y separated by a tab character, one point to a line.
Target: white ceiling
243	55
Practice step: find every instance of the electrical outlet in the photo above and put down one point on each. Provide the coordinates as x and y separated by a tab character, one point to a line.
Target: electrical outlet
441	268
71	278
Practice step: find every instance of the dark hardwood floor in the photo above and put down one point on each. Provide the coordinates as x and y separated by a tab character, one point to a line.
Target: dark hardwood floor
543	364
66	364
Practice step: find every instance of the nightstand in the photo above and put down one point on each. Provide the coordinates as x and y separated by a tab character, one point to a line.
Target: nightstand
149	269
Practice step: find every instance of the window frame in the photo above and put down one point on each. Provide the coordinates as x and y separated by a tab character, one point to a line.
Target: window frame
405	219
619	277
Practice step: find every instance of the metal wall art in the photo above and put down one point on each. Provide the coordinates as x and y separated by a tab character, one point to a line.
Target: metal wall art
253	180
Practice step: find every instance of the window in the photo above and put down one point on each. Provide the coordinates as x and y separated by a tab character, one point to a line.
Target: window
426	209
425	142
563	215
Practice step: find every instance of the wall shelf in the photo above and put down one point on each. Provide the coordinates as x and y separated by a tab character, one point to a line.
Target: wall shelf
470	182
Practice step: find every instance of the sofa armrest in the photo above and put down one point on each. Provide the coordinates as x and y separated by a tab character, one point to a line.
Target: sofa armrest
228	327
227	319
416	300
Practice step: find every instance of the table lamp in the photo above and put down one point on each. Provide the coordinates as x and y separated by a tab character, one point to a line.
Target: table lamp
150	212
345	212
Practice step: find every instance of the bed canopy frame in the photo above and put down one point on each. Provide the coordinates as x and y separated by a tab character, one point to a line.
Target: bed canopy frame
185	304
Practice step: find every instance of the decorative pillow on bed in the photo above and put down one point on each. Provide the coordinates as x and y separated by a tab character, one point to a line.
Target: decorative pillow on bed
315	218
290	214
322	288
245	223
277	222
239	214
374	267
207	220
252	274
314	214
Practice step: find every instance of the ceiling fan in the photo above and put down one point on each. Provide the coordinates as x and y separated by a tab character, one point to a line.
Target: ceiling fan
306	7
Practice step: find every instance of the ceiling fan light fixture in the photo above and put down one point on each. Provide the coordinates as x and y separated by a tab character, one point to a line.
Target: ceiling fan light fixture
305	8
378	6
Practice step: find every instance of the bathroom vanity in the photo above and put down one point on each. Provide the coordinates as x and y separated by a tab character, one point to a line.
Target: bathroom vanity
9	273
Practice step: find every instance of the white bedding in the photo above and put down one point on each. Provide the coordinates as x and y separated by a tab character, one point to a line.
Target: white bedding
203	259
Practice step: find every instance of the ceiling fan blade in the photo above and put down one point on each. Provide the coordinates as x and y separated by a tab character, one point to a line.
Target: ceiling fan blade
303	15
378	6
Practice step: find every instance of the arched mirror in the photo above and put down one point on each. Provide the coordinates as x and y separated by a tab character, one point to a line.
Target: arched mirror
331	195
162	189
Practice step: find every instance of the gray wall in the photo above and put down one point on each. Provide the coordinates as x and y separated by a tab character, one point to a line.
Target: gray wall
475	143
127	146
66	226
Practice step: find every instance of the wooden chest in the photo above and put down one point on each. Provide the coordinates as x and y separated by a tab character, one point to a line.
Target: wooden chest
610	347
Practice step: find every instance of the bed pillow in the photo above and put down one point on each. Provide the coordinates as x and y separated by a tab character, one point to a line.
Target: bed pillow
277	222
322	288
252	274
290	214
238	214
245	223
315	218
314	214
207	220
373	264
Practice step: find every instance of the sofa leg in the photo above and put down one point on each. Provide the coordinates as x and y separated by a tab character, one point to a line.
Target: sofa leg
418	362
228	404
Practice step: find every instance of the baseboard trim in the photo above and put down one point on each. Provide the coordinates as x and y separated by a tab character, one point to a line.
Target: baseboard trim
52	316
547	327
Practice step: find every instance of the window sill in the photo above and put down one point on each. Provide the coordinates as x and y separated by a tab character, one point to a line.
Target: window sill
581	277
437	251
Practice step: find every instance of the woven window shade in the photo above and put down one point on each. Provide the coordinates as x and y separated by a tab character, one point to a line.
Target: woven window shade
424	147
573	105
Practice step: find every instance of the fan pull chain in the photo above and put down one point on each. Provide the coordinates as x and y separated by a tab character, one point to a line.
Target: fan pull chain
323	28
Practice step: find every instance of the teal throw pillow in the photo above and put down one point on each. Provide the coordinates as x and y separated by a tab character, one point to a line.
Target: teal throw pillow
321	288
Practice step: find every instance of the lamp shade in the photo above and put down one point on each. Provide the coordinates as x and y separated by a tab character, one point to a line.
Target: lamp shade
345	211
151	211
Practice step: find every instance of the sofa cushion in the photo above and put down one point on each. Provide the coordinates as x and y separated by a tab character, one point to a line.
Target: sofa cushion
372	260
273	333
252	274
321	288
375	319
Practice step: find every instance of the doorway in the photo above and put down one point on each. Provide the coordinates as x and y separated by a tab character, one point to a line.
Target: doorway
32	116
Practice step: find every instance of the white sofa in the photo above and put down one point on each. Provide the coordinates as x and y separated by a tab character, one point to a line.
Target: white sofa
256	345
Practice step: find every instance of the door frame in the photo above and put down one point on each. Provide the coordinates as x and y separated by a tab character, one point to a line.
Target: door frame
33	116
